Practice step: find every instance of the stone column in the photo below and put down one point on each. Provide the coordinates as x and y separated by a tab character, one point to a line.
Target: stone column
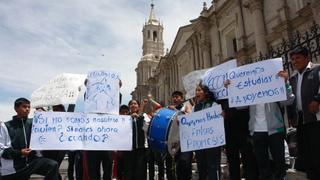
316	10
192	59
196	52
215	42
200	58
171	74
206	55
193	53
256	7
242	39
283	10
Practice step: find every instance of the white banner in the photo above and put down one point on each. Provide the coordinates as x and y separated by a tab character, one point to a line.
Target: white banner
256	83
214	78
79	131
102	94
190	82
63	89
201	130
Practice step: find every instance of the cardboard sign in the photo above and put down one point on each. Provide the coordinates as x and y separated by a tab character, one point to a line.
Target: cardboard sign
102	95
214	78
63	89
190	82
201	130
79	131
256	83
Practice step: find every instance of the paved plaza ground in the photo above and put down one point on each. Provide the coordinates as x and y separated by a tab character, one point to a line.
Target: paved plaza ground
292	174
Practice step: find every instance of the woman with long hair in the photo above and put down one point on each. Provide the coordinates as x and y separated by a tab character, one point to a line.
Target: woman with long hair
208	160
135	161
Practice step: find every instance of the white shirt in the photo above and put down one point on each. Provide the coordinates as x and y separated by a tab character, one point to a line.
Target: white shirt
260	124
298	90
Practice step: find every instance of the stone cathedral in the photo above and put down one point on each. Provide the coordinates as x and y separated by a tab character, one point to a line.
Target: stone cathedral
152	51
225	29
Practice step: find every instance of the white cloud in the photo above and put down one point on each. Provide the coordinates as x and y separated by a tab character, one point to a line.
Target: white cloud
6	111
40	39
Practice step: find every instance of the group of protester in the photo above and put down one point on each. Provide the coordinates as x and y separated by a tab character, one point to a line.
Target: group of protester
255	138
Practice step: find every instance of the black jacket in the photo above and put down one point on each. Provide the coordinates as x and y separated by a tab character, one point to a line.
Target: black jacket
309	92
235	120
138	137
15	137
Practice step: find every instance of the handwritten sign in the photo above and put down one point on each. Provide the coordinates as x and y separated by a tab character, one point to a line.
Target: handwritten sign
201	130
79	131
214	78
63	89
190	82
102	94
256	83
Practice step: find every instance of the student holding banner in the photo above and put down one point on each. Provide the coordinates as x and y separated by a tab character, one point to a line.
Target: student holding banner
95	159
135	161
56	155
208	160
267	128
304	113
17	159
118	156
238	141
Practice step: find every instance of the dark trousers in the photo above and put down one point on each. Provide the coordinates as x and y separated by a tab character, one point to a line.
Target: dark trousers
119	160
263	143
151	163
56	155
170	167
183	165
71	160
236	145
299	163
95	158
309	148
42	166
75	163
155	157
208	163
135	164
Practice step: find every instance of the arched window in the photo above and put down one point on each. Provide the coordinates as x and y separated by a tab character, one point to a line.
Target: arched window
155	36
231	44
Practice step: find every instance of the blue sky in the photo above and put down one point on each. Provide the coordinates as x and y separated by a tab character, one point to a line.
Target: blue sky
40	39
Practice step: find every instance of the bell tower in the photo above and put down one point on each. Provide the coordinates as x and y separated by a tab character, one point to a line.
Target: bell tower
152	51
153	36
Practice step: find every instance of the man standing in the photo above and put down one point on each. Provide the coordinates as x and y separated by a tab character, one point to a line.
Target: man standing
238	141
56	155
183	159
304	113
17	159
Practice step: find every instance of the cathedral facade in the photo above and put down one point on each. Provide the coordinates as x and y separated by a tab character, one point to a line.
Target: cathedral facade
241	29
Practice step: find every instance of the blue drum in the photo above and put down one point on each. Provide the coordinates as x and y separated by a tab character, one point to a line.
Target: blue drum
160	128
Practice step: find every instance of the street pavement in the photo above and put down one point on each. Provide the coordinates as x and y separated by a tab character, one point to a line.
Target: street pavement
291	173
